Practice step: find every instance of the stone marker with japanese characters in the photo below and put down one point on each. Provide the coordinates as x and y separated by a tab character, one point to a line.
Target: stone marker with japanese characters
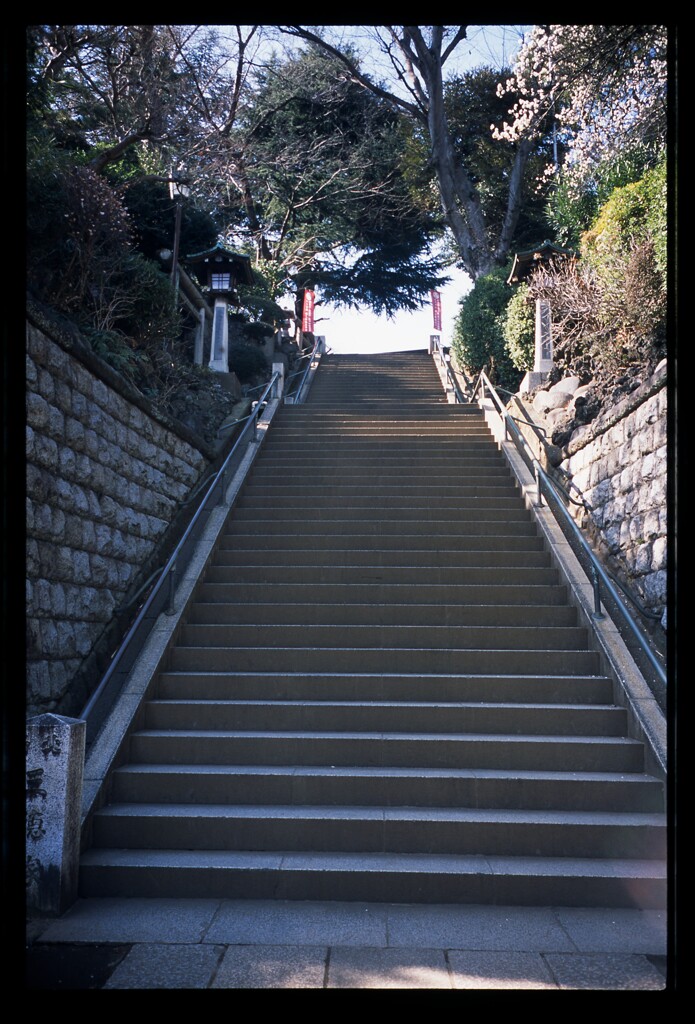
54	769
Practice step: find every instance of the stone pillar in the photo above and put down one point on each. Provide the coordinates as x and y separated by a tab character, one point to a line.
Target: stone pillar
543	350
280	382
54	770
199	338
219	347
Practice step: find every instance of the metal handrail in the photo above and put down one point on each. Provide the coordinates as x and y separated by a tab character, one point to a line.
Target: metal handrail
596	572
461	398
93	711
451	377
318	342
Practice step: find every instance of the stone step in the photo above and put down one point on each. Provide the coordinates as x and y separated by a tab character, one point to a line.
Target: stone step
376	877
388	716
356	829
408	471
383	574
288	544
313	442
504	495
471	522
355	493
532	689
383	659
376	786
339	636
401	615
455	558
512	516
453	595
480	751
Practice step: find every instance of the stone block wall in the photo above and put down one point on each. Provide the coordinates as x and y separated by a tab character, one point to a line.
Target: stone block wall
104	477
618	463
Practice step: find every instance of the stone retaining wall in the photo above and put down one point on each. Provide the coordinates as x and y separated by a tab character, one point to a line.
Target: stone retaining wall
618	463
104	478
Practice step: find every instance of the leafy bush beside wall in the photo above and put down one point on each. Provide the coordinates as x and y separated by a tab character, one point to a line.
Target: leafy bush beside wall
478	340
518	328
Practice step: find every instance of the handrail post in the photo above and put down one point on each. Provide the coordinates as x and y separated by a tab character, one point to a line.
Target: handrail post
171	605
596	584
222	484
539	493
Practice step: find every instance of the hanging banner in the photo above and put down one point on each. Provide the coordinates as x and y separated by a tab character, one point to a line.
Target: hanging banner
308	312
436	310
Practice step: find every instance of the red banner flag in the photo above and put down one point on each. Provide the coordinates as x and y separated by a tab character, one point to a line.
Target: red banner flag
436	310
308	312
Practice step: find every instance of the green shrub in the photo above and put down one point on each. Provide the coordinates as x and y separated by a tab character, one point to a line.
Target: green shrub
478	339
626	248
632	214
575	201
248	362
519	328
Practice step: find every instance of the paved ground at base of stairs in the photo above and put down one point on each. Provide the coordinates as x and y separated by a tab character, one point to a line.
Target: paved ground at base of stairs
212	944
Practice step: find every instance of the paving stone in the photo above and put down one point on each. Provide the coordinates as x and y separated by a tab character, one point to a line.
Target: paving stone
156	965
268	922
388	968
479	928
615	930
133	920
608	972
272	967
488	969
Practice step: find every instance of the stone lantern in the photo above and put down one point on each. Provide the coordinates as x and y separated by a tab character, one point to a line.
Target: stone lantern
524	265
220	272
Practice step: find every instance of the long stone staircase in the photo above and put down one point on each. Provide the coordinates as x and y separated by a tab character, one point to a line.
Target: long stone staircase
381	691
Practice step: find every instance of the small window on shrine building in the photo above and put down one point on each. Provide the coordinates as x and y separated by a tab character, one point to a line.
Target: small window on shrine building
220	282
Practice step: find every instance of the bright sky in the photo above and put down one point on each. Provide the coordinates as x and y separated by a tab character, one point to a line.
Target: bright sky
349	330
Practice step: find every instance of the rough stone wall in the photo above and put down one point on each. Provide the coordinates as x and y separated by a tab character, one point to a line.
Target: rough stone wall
618	463
103	480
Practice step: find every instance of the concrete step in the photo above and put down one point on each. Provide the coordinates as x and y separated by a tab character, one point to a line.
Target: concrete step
336	636
401	615
383	574
534	752
397	716
424	559
387	787
383	659
471	522
287	545
453	595
355	476
374	445
377	877
322	494
532	689
416	497
356	829
512	515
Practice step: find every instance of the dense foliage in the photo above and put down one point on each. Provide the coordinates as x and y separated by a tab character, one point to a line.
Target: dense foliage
326	197
609	308
333	178
478	340
518	328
